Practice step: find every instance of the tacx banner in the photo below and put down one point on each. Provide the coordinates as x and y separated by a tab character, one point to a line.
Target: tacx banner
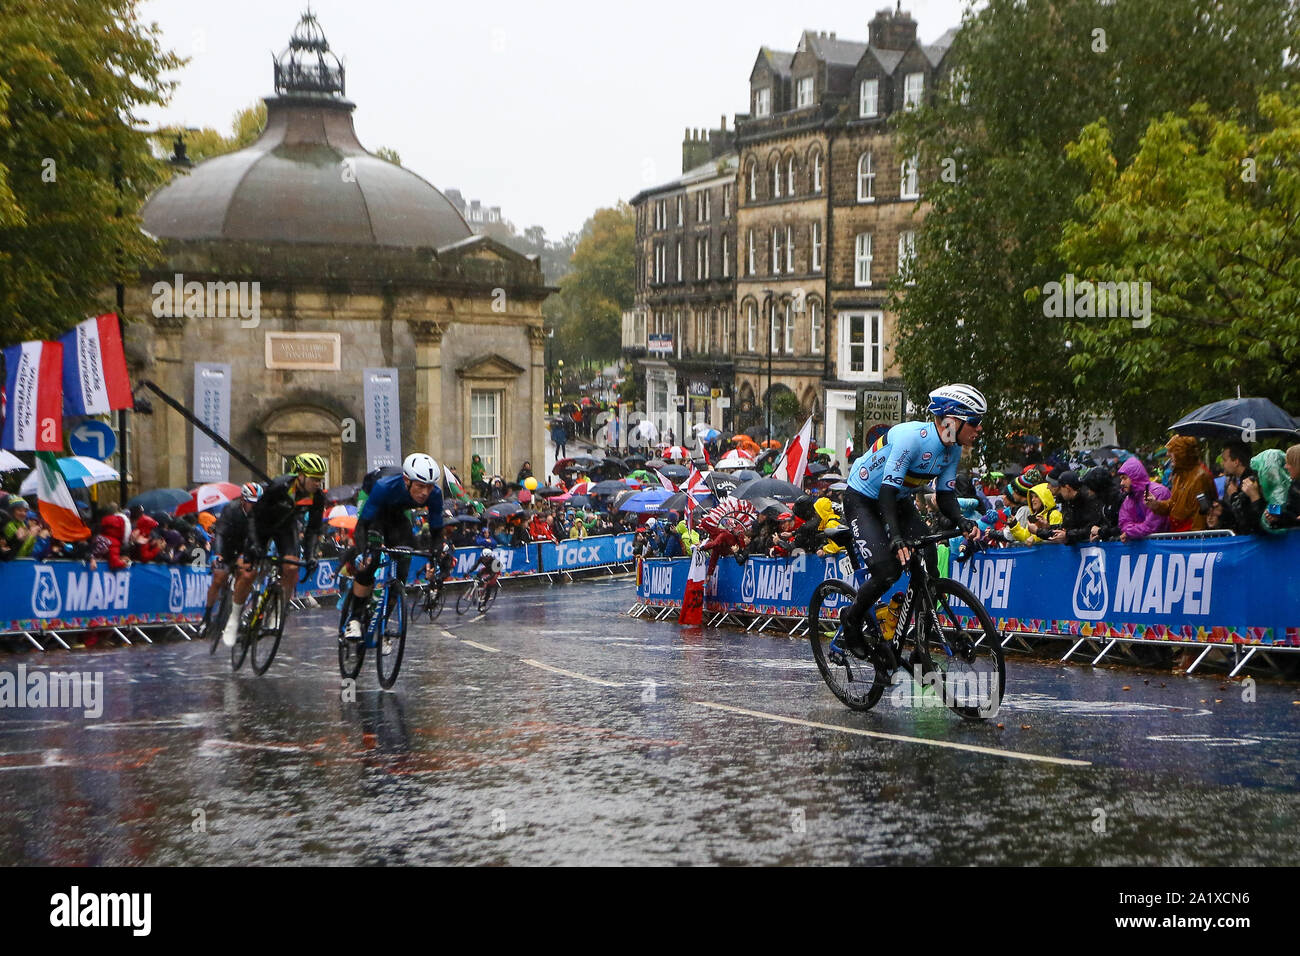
95	380
577	553
383	423
1241	590
66	595
33	407
212	407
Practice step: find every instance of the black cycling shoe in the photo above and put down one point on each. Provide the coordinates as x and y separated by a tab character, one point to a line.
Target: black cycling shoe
853	640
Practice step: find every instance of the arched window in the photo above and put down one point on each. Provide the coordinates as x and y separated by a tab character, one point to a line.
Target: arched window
866	177
753	180
789	176
817	171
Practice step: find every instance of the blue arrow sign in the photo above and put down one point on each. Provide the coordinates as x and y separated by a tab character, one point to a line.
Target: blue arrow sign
93	439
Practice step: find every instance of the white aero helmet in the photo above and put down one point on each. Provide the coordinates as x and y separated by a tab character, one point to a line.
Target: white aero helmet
958	401
419	467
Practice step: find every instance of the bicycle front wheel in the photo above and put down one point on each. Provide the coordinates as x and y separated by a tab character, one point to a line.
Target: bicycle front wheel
858	684
488	596
351	653
240	650
468	598
392	640
961	656
266	631
217	623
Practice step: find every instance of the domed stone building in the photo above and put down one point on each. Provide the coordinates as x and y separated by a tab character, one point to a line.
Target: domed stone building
345	262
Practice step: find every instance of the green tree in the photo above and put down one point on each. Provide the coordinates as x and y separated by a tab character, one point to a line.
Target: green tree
1206	213
74	166
389	154
1029	76
587	313
205	143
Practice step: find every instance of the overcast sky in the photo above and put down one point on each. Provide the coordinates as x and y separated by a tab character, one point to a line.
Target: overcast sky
549	110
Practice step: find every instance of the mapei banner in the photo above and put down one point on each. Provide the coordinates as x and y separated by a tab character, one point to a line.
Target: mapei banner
575	554
1239	589
67	595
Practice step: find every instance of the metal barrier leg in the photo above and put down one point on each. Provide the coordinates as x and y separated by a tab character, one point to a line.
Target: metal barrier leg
1105	650
1196	663
1073	649
756	620
36	643
1249	655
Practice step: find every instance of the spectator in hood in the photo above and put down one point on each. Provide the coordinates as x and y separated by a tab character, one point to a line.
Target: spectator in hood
1269	492
1080	508
110	541
19	532
525	471
1105	487
1291	510
1136	519
1189	478
1044	522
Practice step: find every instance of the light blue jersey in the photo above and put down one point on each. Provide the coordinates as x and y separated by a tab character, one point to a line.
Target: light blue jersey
907	458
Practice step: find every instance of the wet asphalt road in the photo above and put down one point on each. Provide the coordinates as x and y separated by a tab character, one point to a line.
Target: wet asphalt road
556	730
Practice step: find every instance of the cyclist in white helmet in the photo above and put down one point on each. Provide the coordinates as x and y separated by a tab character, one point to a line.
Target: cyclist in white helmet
383	521
229	537
878	505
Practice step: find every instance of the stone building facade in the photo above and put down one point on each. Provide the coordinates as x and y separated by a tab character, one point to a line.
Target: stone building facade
358	264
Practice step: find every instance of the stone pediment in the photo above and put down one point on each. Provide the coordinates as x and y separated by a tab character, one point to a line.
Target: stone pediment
491	366
480	247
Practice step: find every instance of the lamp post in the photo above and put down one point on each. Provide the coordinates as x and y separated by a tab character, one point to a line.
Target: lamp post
771	325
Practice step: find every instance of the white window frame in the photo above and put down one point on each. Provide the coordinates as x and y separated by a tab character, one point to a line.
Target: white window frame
867	177
704	258
772	332
776	250
907	177
763	102
485	431
749	251
681	210
726	200
868	99
776	179
913	90
789	176
862	260
753	180
814	327
817	171
726	336
679	260
806	92
870	342
907	253
788	331
789	249
815	244
726	257
751	326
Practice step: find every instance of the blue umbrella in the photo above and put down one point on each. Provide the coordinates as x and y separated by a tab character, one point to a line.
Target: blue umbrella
649	501
159	499
1235	419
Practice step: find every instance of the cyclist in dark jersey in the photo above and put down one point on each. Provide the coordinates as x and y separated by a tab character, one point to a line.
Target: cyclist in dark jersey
383	521
878	505
229	536
274	521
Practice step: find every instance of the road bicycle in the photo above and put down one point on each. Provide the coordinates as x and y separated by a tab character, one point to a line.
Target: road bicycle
955	645
261	619
427	597
480	594
383	627
216	622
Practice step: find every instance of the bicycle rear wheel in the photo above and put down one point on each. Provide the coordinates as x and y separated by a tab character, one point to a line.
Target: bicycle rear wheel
266	631
467	598
351	653
240	649
966	660
217	623
488	596
858	684
392	640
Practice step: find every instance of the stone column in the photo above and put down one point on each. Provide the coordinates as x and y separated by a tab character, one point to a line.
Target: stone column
428	389
536	418
164	461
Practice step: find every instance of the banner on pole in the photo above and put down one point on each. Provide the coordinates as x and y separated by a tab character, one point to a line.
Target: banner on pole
33	408
95	379
212	407
383	418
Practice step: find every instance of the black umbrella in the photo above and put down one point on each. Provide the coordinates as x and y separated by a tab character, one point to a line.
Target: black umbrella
675	472
634	462
547	491
621	498
580	501
677	502
767	454
745	474
722	484
341	493
609	467
769	488
607	488
503	509
654	464
817	468
1236	418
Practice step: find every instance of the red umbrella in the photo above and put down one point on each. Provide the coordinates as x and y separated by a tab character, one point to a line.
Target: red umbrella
208	496
676	452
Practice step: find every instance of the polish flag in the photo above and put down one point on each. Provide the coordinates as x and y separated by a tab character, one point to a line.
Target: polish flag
794	459
33	397
58	510
663	480
692	614
95	380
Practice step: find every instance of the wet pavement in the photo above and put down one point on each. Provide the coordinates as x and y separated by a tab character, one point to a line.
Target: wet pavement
556	730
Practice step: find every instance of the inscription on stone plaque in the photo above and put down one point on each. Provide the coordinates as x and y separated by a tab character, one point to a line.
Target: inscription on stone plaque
303	350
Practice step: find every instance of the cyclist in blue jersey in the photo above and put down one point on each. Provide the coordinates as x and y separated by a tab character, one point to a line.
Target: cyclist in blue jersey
878	505
383	521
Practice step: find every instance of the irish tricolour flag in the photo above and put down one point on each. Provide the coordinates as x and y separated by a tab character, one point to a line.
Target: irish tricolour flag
94	368
33	411
57	507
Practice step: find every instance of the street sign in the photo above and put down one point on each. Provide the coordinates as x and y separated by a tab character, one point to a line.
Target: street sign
93	439
724	403
679	400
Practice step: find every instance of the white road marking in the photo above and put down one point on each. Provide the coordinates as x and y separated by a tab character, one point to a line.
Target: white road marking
473	620
482	647
447	633
559	670
901	738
